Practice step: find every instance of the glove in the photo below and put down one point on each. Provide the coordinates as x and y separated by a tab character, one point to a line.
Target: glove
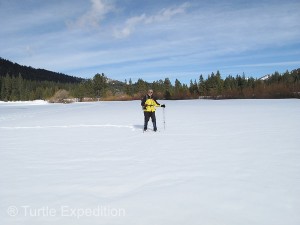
164	106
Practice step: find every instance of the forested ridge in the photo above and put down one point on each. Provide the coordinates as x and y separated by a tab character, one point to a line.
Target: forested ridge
28	73
26	83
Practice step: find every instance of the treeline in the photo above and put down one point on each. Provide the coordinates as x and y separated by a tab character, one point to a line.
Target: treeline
275	85
17	84
16	88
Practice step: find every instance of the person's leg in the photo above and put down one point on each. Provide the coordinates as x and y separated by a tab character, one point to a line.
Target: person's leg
153	118
146	117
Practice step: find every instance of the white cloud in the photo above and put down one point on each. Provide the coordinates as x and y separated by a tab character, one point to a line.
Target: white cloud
164	15
167	14
129	26
94	16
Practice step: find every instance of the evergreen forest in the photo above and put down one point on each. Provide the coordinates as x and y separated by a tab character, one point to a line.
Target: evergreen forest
19	82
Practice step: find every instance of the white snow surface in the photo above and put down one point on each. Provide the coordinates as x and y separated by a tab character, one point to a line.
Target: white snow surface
229	162
17	103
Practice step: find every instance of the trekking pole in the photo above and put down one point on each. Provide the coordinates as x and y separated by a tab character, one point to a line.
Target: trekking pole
164	116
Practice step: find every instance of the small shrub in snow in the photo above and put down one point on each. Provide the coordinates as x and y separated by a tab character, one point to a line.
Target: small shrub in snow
61	96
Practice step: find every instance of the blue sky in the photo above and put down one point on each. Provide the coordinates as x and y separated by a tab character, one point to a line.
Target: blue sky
152	39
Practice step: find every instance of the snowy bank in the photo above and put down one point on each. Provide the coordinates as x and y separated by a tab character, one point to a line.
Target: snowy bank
35	102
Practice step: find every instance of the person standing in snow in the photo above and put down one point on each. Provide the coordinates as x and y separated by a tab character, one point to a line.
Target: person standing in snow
149	103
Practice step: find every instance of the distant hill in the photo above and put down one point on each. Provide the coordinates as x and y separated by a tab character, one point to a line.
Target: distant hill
28	73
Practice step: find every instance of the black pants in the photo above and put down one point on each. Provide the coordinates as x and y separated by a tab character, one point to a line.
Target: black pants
147	116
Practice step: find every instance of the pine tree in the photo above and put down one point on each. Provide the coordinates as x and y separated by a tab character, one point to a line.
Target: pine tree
178	89
129	88
201	85
99	85
141	87
2	93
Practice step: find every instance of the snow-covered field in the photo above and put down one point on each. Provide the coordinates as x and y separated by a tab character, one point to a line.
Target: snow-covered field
230	162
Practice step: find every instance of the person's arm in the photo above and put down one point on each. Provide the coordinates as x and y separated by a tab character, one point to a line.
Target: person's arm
143	101
158	104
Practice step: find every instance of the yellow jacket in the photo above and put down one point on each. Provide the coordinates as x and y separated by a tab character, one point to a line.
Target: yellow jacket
149	104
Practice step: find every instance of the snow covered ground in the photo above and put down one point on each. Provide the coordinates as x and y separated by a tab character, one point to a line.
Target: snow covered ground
229	162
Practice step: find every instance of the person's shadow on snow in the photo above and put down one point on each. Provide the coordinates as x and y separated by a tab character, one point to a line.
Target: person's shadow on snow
140	127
